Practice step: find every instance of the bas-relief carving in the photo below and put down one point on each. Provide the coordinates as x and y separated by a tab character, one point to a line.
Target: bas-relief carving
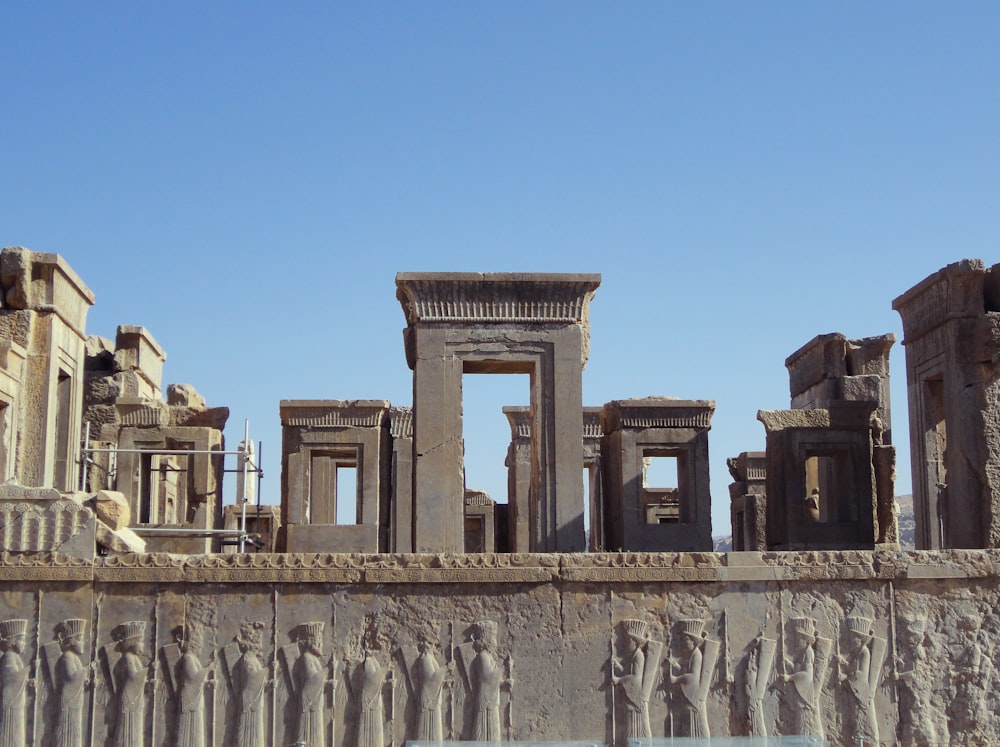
188	675
634	676
367	677
760	664
426	676
69	676
860	672
14	681
920	652
248	676
485	673
127	678
805	674
307	675
971	672
699	656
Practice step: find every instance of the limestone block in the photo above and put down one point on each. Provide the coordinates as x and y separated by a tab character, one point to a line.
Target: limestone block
184	395
41	520
142	411
44	282
135	349
199	417
122	540
867	388
112	508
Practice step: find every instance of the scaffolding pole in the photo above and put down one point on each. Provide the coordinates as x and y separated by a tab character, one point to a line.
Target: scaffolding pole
247	467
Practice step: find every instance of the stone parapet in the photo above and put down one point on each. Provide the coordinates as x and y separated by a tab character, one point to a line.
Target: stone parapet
555	628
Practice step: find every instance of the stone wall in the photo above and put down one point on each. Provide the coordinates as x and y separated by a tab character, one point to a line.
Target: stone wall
376	649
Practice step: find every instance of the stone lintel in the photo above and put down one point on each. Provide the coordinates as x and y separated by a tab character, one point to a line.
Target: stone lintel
823	357
656	412
334	413
779	420
41	281
954	291
495	297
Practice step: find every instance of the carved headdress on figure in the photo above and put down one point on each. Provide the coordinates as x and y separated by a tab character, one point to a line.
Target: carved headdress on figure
12	628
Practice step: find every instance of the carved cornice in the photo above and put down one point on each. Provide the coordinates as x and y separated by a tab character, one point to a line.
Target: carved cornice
401	422
140	412
44	566
955	291
459	297
657	412
807	567
331	413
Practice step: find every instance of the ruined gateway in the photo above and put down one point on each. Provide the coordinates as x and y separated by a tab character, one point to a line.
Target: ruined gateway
121	624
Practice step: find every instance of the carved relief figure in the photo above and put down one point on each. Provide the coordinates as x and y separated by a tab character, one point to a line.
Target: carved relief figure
860	671
370	676
13	683
129	678
426	676
190	676
921	717
248	678
759	664
309	676
696	674
972	675
70	678
811	657
485	674
636	676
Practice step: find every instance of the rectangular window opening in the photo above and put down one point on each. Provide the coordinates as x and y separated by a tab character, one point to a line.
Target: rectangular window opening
346	492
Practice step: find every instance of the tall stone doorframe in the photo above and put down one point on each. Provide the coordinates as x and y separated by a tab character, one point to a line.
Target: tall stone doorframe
951	335
461	323
43	314
319	440
518	465
748	500
820	477
639	515
831	368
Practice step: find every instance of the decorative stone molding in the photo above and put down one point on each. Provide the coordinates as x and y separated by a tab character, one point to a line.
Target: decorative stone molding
359	413
657	412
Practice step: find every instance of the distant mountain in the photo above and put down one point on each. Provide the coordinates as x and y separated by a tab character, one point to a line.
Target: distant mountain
907	528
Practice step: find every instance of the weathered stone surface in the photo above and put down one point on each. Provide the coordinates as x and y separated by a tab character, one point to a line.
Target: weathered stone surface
41	520
902	657
136	350
122	540
184	395
494	323
112	508
950	338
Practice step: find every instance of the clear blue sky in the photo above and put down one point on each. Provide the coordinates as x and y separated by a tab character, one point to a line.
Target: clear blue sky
245	179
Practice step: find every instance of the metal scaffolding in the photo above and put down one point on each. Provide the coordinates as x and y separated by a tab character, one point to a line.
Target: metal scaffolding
247	468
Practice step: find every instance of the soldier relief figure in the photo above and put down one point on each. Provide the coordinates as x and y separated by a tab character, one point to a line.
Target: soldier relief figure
922	718
70	677
811	657
128	678
308	684
189	677
248	677
636	676
696	674
13	683
859	672
426	676
760	661
369	677
485	673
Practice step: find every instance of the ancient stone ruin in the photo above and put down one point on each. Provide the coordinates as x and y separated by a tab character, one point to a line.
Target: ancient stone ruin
138	611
